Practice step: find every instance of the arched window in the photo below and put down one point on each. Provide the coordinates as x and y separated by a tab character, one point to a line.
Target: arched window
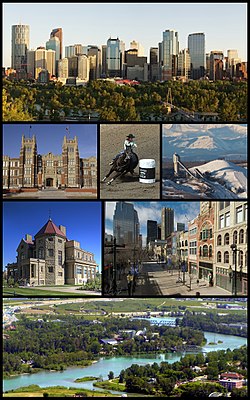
241	236
246	256
240	259
186	243
210	251
226	257
219	240
235	237
219	256
40	252
226	239
200	252
205	251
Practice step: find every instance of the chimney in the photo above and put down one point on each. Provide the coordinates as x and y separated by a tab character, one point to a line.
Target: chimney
63	229
28	238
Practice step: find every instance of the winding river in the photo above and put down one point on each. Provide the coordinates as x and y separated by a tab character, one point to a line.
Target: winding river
102	367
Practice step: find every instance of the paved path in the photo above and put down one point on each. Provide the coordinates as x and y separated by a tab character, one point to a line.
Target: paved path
67	289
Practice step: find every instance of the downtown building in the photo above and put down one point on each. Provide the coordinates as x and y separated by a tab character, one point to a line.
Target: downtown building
196	48
51	259
33	170
126	226
20	39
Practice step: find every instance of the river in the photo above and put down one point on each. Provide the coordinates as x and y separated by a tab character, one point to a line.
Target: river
115	364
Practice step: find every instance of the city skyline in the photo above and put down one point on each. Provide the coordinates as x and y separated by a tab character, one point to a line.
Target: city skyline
170	16
150	210
82	221
49	138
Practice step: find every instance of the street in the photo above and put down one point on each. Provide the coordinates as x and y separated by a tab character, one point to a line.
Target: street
155	280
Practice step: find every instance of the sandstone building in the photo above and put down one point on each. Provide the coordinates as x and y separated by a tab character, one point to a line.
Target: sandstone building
51	259
33	170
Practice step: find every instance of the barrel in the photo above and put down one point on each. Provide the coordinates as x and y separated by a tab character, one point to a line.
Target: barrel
147	170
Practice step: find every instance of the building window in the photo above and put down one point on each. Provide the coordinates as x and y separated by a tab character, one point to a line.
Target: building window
235	234
50	239
50	252
226	257
205	251
219	256
71	161
49	163
246	257
79	271
33	270
227	219
226	239
51	269
71	149
59	240
222	221
22	256
60	273
245	212
241	236
241	257
239	214
210	251
219	240
59	257
40	252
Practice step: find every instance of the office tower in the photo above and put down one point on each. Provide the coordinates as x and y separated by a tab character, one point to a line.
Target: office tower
70	51
180	226
78	49
232	60
115	57
63	68
51	62
126	227
31	64
40	60
216	65
96	64
167	222
54	44
169	53
196	47
57	32
83	67
135	67
184	64
104	60
73	66
20	41
153	64
138	47
152	231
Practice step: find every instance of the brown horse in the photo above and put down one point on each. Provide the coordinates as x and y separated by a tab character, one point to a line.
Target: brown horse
124	163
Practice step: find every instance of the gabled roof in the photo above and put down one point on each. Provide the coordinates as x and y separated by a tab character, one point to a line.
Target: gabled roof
50	229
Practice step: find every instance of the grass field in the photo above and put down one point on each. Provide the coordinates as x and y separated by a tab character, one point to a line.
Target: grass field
55	391
15	292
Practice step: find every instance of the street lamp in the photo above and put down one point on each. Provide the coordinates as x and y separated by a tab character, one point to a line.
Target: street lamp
233	274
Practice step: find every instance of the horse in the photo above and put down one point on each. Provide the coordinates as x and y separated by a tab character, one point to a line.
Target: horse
124	163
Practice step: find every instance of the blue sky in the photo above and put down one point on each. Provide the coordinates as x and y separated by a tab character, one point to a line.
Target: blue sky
81	219
49	137
183	212
224	24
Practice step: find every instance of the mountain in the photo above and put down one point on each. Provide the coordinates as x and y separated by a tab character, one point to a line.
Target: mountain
205	141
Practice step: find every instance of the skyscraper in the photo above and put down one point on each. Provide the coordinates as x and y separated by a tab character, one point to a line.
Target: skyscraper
184	64
152	230
20	41
115	57
216	65
126	227
180	226
196	47
57	32
167	222
169	53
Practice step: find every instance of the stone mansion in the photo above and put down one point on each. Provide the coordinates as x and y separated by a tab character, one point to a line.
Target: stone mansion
51	259
33	170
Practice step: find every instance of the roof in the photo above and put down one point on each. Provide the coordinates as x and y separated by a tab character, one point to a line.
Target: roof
50	229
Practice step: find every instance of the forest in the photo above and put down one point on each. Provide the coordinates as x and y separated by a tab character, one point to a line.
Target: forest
107	101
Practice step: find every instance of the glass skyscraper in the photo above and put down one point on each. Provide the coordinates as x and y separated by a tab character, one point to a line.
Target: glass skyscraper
20	45
196	47
167	222
169	53
126	227
115	57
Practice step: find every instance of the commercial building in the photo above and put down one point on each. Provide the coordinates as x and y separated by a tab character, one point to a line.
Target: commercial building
167	222
57	32
169	54
20	41
196	48
152	231
115	57
126	227
51	259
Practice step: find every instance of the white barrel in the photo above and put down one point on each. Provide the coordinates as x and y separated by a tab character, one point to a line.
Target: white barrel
147	170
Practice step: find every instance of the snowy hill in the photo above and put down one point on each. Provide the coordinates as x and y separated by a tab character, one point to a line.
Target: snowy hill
205	141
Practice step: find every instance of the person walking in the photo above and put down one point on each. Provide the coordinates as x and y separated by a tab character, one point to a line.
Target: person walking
130	283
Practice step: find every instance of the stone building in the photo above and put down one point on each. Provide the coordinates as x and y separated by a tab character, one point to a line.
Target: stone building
33	170
51	259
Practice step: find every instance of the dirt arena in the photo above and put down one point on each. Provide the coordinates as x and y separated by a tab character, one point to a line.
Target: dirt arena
147	138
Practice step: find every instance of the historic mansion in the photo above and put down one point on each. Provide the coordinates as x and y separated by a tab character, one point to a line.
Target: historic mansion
51	259
32	170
